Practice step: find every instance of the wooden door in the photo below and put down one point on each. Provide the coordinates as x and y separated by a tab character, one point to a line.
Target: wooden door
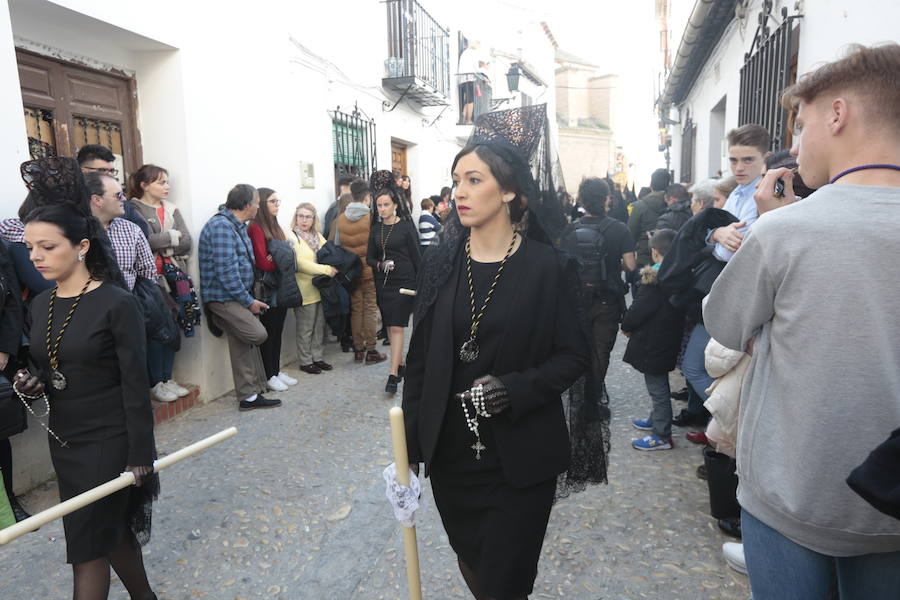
67	106
398	158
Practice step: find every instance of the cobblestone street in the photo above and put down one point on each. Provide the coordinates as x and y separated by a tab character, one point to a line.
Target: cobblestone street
293	507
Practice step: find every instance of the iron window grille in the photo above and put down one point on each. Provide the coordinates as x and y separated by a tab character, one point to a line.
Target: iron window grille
353	139
765	75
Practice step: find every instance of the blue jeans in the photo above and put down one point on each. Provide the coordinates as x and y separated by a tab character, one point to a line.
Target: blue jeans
661	415
160	360
693	365
780	569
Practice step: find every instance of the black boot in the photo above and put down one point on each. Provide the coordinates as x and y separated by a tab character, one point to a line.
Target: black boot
391	387
20	513
722	481
401	372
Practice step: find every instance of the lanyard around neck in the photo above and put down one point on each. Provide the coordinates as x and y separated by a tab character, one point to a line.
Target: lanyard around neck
863	168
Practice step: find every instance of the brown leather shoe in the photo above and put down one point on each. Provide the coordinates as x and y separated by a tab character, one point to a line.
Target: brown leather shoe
373	357
359	355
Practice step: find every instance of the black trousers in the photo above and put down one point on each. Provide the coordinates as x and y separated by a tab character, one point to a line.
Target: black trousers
270	350
605	319
6	466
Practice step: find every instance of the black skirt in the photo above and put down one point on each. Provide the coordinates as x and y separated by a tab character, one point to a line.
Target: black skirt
395	307
497	530
100	527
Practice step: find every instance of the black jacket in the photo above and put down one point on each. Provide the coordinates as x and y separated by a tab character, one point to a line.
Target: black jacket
644	214
675	216
160	324
877	480
656	328
284	290
546	352
12	412
689	269
347	263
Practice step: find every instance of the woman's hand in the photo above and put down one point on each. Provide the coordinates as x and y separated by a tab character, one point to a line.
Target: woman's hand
496	399
139	474
27	384
4	360
333	271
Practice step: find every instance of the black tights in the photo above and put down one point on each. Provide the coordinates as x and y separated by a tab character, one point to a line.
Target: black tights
6	466
472	581
92	577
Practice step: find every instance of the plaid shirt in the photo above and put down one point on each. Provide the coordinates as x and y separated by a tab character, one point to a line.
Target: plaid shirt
132	251
226	260
12	230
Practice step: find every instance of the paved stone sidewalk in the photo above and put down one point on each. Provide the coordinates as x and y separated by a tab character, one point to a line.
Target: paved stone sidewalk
293	507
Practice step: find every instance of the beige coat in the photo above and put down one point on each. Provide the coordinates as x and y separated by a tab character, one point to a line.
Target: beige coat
724	402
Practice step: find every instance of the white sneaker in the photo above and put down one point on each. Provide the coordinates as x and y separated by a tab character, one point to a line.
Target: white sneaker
285	378
162	393
734	556
179	391
275	384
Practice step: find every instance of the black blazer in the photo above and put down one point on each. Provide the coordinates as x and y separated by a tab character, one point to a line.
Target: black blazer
544	352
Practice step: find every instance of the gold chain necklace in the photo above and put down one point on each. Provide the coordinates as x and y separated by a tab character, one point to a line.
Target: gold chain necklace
384	240
468	352
57	379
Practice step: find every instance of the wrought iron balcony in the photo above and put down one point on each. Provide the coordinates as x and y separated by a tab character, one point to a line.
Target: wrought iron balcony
418	63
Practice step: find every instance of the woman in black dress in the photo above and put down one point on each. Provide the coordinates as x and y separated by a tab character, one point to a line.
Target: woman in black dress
496	343
394	256
92	364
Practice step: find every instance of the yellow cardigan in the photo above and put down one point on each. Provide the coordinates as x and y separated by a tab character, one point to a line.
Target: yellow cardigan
307	268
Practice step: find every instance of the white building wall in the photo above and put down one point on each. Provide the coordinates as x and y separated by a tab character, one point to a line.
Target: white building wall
826	29
238	94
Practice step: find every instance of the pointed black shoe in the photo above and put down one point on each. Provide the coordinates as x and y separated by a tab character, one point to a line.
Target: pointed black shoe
391	387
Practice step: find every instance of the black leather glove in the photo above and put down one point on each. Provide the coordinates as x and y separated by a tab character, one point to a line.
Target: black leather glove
496	400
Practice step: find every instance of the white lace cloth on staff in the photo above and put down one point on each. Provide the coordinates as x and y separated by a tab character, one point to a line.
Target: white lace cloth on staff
404	500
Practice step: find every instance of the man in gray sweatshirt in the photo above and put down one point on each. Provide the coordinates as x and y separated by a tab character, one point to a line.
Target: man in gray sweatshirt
814	294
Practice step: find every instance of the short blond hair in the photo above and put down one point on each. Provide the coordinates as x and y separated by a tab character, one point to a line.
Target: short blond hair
873	72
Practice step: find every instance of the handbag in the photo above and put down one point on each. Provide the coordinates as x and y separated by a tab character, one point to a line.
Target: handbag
13	418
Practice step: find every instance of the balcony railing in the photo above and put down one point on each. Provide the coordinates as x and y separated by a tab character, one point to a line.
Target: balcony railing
418	63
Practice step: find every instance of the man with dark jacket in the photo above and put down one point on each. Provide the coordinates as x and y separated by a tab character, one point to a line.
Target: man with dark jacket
594	238
645	212
678	208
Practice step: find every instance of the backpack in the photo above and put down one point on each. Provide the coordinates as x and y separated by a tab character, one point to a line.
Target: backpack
592	252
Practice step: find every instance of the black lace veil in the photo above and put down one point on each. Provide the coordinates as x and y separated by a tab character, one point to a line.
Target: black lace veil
57	180
521	136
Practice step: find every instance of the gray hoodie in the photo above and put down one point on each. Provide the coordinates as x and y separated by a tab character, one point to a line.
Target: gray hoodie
356	211
823	387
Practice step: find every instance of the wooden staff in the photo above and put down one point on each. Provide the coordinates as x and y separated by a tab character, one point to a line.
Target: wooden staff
110	487
401	461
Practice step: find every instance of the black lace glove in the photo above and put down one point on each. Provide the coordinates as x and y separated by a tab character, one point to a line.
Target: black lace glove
496	400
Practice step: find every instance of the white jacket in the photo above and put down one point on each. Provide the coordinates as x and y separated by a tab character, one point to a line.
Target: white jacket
728	367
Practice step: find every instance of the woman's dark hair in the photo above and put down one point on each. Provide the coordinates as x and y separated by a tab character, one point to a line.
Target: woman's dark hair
445	192
28	205
407	193
75	226
241	196
592	194
503	172
145	174
269	224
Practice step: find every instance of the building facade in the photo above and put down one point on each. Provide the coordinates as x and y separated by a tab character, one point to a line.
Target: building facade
737	56
275	94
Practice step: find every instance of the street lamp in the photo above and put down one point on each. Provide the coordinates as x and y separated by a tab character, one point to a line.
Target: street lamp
512	78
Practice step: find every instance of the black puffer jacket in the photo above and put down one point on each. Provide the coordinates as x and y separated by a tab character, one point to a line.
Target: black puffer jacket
285	292
656	328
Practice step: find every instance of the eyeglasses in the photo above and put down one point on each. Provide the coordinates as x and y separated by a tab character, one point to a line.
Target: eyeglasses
305	217
274	201
104	170
121	196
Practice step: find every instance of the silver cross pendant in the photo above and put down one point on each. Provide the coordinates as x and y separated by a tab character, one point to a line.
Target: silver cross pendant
478	447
